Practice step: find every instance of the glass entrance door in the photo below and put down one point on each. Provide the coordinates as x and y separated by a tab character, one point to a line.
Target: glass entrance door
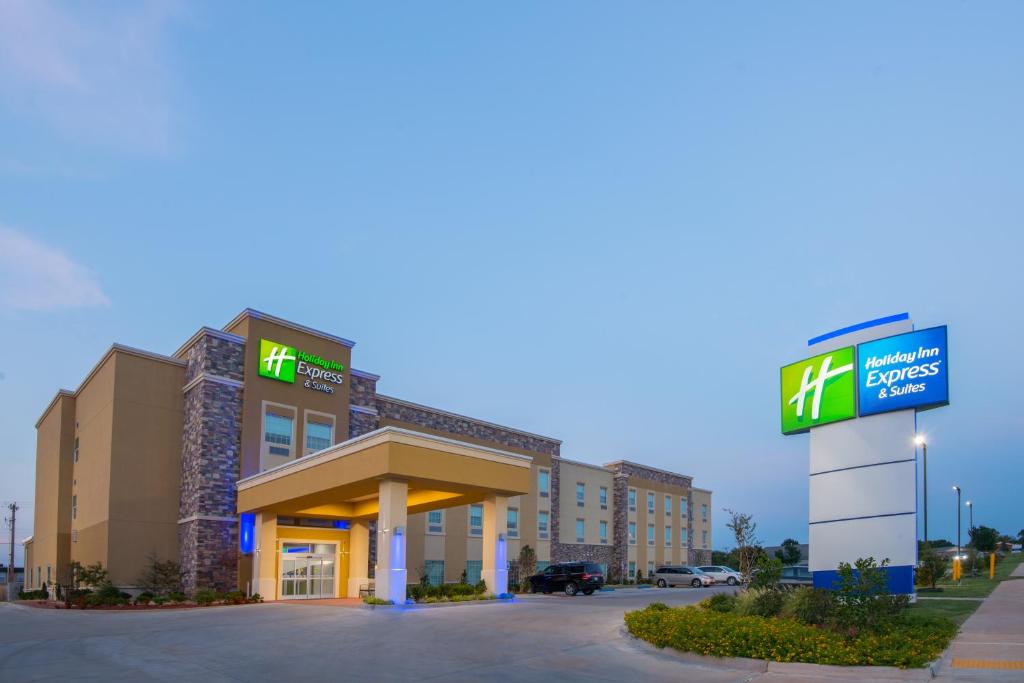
307	571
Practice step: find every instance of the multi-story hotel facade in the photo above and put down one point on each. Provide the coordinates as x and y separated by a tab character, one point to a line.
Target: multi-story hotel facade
259	459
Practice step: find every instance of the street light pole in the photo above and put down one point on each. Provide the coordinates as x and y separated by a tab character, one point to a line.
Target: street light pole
970	512
957	489
920	441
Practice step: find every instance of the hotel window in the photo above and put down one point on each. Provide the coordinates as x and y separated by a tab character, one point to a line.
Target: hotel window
668	506
650	569
435	522
650	502
543	482
542	524
513	522
632	533
704	539
434	571
581	493
476	521
74	507
682	536
603	497
650	534
278	435
603	531
49	573
632	500
704	512
75	451
473	569
319	432
668	536
579	531
682	507
631	574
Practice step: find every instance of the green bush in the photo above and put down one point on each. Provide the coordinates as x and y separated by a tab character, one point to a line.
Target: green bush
808	605
760	602
205	597
862	600
177	596
421	593
767	572
719	602
370	600
911	642
144	599
657	606
33	595
161	600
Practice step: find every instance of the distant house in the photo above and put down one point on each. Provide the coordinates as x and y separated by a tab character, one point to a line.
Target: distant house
804	551
19	574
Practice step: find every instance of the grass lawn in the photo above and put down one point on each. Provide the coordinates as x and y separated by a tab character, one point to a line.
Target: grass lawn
956	611
970	587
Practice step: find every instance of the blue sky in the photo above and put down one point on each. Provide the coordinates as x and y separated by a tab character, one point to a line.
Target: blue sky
610	224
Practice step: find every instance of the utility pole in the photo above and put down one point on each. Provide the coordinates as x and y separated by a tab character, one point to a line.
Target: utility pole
13	507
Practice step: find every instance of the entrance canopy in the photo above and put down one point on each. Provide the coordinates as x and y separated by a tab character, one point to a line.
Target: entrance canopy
343	481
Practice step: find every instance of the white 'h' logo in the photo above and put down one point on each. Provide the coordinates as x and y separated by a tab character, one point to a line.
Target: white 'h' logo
278	355
817	386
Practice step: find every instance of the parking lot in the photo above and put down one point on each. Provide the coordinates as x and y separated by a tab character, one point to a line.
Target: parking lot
541	637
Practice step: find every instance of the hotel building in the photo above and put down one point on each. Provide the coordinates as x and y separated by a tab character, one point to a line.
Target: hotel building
258	458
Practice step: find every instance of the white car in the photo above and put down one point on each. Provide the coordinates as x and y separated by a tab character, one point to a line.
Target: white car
723	574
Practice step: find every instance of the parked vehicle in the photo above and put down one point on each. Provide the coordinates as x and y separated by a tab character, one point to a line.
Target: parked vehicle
722	574
568	577
681	576
797	575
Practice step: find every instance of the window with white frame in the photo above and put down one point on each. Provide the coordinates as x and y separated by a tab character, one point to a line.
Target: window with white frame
543	518
632	500
602	528
602	496
476	520
668	536
279	442
434	570
435	522
581	493
632	533
682	506
668	505
631	574
543	483
74	507
513	522
319	433
650	534
704	538
580	530
650	569
704	512
650	502
682	537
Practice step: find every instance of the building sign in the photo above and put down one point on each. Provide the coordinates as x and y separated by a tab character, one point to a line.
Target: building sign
819	390
283	363
905	371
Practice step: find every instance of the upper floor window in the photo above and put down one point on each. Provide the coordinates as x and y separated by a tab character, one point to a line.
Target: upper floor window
704	512
682	536
682	506
650	502
318	435
278	429
476	520
704	538
580	528
543	516
544	483
603	531
632	500
650	534
74	453
632	533
668	536
581	493
512	520
74	507
603	497
435	522
668	506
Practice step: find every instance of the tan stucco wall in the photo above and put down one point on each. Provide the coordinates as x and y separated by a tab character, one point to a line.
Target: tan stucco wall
701	497
658	553
52	516
591	512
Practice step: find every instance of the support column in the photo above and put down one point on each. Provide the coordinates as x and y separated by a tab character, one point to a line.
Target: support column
358	557
495	554
391	523
264	556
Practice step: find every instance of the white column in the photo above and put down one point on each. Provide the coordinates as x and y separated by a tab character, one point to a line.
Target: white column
391	522
494	570
264	556
358	557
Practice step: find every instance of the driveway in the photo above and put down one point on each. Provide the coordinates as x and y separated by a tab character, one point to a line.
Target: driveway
536	638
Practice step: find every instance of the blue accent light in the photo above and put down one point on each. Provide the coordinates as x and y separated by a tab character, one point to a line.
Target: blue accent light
901	579
859	326
299	549
342	524
247	532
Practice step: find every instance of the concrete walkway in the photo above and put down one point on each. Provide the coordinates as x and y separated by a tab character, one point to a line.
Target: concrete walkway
990	645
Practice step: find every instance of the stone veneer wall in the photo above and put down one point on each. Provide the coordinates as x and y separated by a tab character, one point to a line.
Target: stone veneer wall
620	527
211	443
362	414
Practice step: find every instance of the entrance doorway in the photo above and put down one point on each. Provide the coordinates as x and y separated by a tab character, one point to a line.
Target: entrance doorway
307	570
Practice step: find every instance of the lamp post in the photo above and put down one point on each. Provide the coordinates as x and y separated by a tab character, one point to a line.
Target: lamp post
957	489
970	512
920	441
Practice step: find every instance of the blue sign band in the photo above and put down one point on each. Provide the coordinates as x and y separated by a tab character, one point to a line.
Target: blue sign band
905	371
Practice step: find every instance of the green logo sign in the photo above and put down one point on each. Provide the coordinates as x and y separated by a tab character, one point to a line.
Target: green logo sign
277	361
819	390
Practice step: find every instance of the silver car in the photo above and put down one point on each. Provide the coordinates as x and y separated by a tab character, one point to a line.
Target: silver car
681	576
722	574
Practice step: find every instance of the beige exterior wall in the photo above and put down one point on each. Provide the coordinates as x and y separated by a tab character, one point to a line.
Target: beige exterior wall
644	553
593	479
51	541
701	521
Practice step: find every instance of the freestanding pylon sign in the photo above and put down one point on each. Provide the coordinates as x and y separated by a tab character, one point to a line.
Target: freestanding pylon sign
863	470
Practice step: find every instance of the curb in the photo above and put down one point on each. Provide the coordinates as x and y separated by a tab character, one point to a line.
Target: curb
434	605
854	673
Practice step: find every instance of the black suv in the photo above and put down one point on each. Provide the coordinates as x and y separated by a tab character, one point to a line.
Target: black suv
571	577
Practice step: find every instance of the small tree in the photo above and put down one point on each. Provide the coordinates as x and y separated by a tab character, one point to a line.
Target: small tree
90	576
767	573
744	529
984	538
863	601
161	577
930	566
789	553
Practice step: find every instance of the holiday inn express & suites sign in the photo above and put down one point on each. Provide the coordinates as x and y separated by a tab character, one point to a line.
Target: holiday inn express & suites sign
283	363
893	373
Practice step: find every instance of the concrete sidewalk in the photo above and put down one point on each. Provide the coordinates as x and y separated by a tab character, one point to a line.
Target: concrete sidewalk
990	645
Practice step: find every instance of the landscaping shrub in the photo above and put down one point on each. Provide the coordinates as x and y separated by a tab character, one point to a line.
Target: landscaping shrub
370	600
161	600
177	596
767	572
719	602
421	593
657	607
761	602
862	600
910	642
33	595
808	606
144	598
205	597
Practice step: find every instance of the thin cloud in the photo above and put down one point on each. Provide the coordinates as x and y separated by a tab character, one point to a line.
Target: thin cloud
97	74
38	277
